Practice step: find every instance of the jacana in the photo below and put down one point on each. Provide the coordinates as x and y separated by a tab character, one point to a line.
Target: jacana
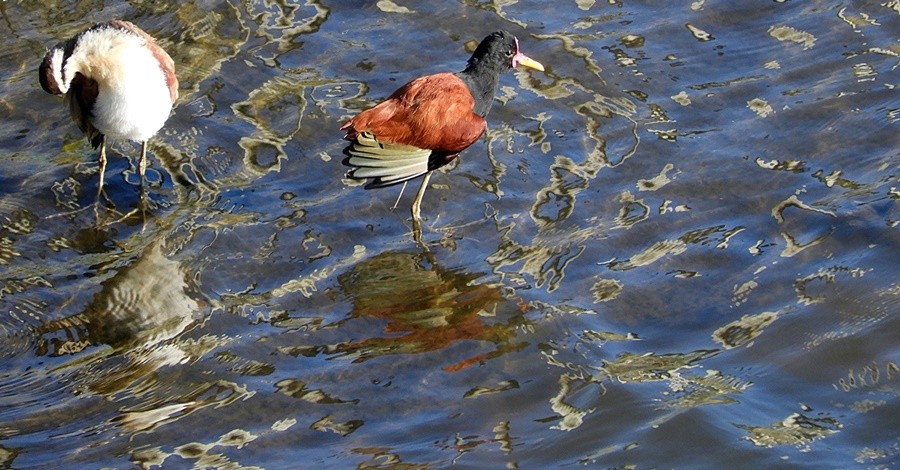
118	83
427	122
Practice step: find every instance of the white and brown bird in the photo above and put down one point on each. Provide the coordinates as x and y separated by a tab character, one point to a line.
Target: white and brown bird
118	83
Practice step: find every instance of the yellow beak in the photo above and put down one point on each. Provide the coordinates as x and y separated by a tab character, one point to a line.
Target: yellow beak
522	59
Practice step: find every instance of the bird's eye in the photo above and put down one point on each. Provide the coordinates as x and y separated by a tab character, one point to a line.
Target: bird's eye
510	53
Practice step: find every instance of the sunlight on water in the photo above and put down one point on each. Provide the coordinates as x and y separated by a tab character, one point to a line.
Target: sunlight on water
674	247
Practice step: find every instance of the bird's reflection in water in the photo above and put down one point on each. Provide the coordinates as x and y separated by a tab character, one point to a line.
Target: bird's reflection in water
426	307
136	313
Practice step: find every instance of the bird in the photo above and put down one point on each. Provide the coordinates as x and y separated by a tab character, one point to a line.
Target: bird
118	84
427	122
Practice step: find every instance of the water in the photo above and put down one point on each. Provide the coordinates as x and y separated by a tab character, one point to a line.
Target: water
675	248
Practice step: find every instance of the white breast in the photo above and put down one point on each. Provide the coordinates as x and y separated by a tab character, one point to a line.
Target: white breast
133	100
135	103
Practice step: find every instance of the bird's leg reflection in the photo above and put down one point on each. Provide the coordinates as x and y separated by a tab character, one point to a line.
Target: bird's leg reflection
417	235
143	203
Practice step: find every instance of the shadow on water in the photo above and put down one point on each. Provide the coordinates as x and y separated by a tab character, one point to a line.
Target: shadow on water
426	309
144	303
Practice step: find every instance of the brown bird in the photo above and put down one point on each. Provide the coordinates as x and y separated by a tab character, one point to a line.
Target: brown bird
426	123
117	81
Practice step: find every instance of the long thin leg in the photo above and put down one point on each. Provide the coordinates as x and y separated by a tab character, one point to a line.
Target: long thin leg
142	166
417	204
142	169
100	192
397	202
102	164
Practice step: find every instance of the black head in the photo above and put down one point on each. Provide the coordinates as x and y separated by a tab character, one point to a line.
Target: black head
499	52
496	51
495	54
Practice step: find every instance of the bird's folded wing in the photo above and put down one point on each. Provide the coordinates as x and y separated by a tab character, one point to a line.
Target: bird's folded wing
386	163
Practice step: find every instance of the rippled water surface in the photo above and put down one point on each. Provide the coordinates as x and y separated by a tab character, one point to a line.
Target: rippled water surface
677	247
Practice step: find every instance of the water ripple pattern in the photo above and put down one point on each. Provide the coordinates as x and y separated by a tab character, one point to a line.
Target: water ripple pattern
675	247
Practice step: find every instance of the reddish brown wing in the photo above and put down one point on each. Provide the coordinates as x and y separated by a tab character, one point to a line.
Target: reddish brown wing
166	64
432	112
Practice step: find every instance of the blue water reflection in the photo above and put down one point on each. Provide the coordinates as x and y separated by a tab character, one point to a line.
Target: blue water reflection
675	248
